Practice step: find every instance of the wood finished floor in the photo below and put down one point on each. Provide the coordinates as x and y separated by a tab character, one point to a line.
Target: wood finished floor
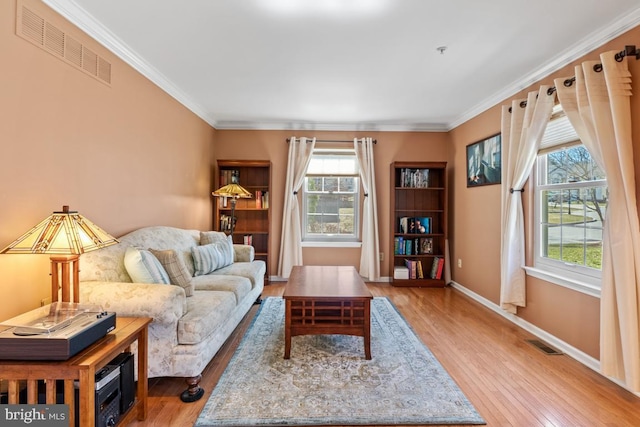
509	382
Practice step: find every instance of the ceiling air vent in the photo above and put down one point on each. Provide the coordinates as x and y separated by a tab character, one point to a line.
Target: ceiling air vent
36	29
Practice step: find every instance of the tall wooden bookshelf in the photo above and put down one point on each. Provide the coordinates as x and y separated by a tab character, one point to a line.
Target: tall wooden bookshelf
253	219
418	223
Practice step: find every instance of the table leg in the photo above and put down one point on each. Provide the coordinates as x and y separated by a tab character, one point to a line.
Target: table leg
143	383
367	329
87	397
287	329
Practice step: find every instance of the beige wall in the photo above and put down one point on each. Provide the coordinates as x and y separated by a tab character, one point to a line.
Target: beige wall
271	145
129	155
568	315
124	156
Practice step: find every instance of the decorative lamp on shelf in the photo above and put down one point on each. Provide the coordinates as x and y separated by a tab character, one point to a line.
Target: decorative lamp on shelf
235	192
65	235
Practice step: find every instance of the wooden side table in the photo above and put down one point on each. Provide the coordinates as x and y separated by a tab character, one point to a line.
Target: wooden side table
83	367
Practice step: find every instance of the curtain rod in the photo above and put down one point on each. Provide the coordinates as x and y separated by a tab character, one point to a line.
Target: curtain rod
629	50
334	140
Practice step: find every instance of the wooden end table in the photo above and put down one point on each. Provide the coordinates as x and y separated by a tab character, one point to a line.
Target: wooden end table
83	367
323	300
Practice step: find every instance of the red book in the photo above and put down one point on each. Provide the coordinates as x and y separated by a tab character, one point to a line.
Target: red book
440	268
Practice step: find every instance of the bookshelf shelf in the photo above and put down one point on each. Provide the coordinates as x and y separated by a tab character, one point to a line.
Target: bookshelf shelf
253	216
418	223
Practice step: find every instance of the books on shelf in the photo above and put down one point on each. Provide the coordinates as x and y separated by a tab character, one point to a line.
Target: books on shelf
229	176
247	239
437	267
414	269
262	199
412	246
414	178
414	225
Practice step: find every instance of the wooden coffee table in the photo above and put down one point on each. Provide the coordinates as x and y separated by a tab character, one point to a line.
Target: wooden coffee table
323	300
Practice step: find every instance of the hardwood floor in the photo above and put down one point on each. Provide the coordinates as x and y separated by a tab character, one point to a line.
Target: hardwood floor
510	382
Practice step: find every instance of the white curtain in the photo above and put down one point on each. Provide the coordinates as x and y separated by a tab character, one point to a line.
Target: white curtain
370	254
598	106
300	151
522	130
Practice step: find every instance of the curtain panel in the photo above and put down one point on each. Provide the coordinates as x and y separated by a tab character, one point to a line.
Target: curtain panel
598	106
370	253
300	151
522	128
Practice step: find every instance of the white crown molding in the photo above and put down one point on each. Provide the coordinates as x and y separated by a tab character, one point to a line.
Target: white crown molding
348	127
578	50
87	23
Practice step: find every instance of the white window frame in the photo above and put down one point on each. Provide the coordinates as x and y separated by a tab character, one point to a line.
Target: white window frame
577	277
333	240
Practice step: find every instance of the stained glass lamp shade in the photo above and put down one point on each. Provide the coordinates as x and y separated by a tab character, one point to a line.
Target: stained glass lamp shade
66	235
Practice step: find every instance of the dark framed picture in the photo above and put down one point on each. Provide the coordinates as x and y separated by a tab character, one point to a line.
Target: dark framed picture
484	162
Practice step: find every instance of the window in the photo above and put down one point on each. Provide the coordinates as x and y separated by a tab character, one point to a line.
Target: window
331	196
570	207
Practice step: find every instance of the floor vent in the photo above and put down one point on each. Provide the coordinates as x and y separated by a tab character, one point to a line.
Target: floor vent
36	29
543	347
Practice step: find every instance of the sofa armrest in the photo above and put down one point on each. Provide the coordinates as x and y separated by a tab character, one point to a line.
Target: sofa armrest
166	304
243	253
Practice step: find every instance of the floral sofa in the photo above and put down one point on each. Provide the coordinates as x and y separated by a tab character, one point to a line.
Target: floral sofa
197	286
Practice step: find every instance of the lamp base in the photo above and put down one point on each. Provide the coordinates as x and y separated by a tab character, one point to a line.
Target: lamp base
62	269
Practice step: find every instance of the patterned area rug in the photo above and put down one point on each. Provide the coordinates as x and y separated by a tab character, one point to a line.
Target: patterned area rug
328	381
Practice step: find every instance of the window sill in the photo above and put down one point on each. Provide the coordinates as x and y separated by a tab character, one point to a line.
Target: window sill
331	244
557	279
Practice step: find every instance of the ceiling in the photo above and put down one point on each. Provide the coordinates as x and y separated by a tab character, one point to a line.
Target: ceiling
347	64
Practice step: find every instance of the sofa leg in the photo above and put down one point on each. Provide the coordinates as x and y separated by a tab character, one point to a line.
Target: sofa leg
258	300
194	391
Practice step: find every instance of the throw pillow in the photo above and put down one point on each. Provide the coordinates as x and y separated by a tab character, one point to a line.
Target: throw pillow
176	269
144	267
206	258
225	242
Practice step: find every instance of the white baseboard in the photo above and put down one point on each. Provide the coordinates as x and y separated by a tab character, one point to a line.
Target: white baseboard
566	348
384	279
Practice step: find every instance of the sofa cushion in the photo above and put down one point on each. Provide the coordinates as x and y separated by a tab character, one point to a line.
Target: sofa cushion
175	268
240	286
225	245
253	271
144	267
207	310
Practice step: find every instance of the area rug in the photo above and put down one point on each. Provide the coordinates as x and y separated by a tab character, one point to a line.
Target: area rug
327	380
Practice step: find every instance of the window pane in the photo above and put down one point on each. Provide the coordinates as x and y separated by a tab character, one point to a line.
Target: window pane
330	214
314	184
331	197
347	184
571	223
330	184
573	164
329	164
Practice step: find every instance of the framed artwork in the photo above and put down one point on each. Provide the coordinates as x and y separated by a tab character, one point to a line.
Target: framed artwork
484	161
